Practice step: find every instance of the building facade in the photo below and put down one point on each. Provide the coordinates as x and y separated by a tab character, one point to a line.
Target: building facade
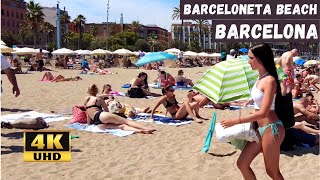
191	32
12	15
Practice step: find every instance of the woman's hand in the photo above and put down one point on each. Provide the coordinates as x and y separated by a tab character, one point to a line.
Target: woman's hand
229	123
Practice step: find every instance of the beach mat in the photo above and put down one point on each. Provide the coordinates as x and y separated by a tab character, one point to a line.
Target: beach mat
155	86
94	128
160	119
33	114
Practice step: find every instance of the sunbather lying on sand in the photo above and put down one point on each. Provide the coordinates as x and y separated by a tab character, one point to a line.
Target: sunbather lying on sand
49	77
106	120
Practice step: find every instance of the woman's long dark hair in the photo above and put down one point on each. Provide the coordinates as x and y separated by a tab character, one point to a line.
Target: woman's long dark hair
145	80
264	55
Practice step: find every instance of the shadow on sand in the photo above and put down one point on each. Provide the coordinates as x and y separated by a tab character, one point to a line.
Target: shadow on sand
15	110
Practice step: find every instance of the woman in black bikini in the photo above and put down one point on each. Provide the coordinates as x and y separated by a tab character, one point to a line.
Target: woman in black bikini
139	87
177	112
106	120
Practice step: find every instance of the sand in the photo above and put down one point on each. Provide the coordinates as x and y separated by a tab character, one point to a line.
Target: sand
170	153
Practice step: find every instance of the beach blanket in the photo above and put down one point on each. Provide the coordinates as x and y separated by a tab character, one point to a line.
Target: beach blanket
94	128
33	114
161	119
156	86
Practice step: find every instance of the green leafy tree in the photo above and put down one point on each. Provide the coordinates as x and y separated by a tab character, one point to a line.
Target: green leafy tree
142	45
201	24
48	30
35	18
135	27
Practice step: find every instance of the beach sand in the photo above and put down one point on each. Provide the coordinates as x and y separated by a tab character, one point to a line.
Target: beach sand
170	153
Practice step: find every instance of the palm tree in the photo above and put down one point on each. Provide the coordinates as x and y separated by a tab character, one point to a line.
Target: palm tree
65	20
68	37
34	17
47	28
80	20
201	24
176	15
135	26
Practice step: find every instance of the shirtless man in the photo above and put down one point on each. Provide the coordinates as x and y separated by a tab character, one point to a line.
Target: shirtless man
39	60
286	62
312	80
302	106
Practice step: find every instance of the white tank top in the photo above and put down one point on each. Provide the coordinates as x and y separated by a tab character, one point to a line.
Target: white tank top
257	97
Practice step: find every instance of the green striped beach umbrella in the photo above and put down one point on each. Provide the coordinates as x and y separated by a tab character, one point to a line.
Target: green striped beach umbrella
227	81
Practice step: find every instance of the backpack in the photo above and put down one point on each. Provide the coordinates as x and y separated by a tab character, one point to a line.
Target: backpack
284	109
79	115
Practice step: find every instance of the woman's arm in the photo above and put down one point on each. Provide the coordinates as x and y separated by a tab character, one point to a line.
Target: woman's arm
103	104
156	106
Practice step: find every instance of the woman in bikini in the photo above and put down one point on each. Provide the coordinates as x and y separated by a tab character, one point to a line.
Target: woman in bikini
106	120
182	81
178	112
49	77
139	87
271	129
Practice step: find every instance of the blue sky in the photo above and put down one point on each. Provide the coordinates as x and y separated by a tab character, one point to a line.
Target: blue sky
145	11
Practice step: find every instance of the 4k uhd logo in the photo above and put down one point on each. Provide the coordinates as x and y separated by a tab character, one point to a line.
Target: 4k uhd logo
47	146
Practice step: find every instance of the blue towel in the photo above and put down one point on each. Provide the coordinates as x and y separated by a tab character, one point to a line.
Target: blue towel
160	119
126	86
94	128
175	87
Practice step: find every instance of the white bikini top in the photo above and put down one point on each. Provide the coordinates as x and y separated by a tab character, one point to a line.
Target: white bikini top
257	97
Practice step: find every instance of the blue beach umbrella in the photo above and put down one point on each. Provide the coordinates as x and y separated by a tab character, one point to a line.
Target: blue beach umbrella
155	57
243	50
299	62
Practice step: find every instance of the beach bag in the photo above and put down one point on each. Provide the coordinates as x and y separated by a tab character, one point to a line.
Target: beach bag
79	115
243	131
30	123
284	109
135	93
117	108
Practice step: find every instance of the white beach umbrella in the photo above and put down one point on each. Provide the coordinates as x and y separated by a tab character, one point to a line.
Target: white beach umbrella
296	58
172	50
203	54
6	49
25	50
63	51
82	52
2	43
215	55
124	52
136	53
43	51
311	62
190	54
100	52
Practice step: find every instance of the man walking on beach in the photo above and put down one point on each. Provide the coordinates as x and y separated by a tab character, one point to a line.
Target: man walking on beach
5	66
39	60
286	62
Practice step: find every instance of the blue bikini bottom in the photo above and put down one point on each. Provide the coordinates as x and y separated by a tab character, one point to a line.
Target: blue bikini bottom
273	126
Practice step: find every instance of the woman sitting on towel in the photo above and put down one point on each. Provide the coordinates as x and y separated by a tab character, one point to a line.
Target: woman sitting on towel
166	79
106	120
177	112
139	87
182	81
49	77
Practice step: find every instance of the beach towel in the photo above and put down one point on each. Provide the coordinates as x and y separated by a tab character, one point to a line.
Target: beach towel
33	114
96	129
126	86
156	86
161	119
